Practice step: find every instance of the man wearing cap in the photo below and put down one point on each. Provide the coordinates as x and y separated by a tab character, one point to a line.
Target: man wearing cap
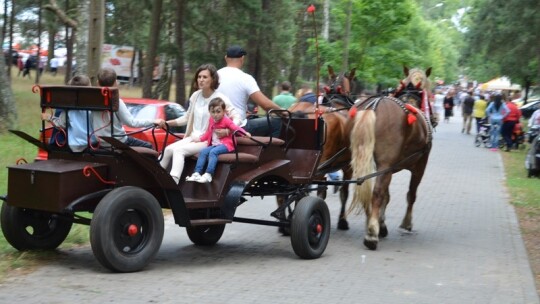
240	87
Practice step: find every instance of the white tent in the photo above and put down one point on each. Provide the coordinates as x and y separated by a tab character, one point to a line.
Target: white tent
502	83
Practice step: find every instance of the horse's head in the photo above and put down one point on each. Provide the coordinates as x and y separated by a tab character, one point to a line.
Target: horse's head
416	78
411	88
339	86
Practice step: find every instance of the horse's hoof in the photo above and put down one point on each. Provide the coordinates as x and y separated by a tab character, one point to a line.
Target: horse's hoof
383	231
285	231
343	225
406	227
370	244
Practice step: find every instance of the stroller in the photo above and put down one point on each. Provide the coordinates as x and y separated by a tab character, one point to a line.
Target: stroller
482	137
532	160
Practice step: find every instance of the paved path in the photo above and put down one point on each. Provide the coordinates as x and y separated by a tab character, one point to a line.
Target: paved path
465	248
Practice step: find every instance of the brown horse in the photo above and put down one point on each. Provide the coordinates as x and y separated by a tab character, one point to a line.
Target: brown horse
336	154
387	136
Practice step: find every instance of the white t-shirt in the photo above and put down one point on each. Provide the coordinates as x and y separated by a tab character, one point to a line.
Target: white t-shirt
101	121
238	86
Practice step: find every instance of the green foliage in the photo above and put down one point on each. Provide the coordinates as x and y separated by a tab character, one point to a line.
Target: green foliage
505	32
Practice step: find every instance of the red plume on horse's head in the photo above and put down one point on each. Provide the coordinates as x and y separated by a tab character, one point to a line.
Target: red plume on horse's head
311	9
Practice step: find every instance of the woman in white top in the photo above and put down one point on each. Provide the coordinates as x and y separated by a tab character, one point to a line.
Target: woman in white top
197	117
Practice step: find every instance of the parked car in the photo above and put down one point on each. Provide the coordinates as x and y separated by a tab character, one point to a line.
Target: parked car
143	108
528	109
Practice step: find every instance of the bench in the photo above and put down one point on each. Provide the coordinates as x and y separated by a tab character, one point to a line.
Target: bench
248	149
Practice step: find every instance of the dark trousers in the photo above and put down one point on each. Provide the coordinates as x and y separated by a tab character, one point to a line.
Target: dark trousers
135	142
261	127
506	131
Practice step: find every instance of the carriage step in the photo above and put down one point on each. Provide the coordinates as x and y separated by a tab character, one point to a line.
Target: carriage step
208	222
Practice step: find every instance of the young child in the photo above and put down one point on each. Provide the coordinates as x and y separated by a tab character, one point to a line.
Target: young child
216	146
78	126
102	124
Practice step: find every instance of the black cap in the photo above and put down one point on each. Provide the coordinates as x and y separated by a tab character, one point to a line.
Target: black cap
235	51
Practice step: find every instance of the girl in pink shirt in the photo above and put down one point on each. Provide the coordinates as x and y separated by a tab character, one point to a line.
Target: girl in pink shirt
216	145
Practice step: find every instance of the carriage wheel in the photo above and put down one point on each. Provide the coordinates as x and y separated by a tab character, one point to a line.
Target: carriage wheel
205	235
27	229
127	229
310	227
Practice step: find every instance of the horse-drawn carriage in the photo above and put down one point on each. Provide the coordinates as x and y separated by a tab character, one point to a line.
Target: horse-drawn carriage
120	191
124	188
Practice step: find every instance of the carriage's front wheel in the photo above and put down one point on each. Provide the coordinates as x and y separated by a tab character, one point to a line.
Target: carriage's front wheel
310	227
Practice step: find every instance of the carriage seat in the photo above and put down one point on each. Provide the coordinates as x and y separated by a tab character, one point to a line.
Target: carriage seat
248	150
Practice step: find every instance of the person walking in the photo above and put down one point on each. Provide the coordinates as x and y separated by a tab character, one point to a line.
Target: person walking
53	64
466	111
479	111
285	98
509	123
27	67
448	104
20	65
496	111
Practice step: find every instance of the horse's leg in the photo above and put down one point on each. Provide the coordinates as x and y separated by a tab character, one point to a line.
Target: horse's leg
280	201
344	195
383	230
417	172
371	239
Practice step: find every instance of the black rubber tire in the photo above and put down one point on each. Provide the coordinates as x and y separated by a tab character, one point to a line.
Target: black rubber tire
117	216
205	235
310	227
27	229
477	141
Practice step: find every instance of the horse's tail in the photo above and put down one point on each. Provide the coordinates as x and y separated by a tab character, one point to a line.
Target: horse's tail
362	163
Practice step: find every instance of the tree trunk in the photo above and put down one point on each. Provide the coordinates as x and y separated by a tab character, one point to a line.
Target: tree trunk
180	73
299	48
52	33
152	48
346	38
8	111
326	20
38	64
81	61
70	37
95	38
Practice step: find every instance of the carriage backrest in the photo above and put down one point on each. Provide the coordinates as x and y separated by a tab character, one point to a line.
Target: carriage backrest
79	98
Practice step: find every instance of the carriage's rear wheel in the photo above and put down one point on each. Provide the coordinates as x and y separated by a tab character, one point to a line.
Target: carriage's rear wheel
310	227
127	229
27	229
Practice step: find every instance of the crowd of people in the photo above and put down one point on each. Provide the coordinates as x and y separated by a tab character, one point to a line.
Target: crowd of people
496	109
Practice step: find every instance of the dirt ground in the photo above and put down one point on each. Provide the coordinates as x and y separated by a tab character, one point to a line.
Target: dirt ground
529	221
